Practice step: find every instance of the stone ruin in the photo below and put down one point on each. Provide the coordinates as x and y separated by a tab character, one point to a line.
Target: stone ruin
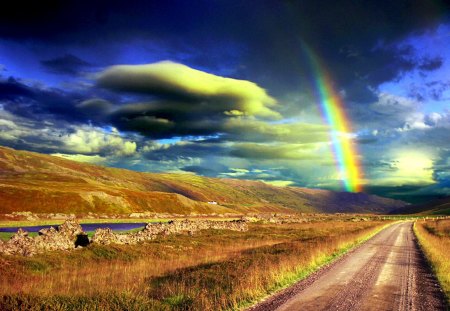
66	237
70	235
278	219
151	231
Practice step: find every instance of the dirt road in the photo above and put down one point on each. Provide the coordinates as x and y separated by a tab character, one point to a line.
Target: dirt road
387	272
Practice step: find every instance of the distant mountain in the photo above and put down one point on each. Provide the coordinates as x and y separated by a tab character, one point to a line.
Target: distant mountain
41	183
435	207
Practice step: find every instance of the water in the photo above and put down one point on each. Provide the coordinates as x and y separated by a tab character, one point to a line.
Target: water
86	227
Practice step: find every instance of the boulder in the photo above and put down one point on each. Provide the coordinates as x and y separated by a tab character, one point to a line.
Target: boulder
68	236
70	229
20	244
104	236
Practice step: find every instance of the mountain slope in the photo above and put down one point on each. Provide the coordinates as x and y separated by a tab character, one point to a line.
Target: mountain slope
41	183
435	207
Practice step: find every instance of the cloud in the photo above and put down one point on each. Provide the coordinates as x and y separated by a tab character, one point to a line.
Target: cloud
36	102
204	171
244	129
9	131
172	80
279	183
408	167
275	151
430	64
184	102
414	161
22	133
432	90
88	140
181	150
165	120
235	172
93	159
68	64
366	43
374	65
425	130
50	104
176	119
95	108
389	112
251	151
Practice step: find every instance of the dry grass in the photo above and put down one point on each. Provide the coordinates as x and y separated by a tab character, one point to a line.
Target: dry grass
434	237
112	268
214	270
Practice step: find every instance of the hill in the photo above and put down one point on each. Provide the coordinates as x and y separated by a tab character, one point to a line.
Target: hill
42	184
435	207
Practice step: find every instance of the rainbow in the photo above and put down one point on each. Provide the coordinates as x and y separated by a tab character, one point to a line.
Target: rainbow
345	152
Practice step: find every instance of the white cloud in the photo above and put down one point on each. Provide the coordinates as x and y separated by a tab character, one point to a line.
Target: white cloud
89	140
279	183
83	140
93	159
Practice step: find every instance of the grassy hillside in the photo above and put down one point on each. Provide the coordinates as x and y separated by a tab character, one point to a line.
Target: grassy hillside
436	207
42	183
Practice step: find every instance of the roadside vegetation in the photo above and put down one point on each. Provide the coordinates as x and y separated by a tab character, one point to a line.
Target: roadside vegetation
212	270
434	238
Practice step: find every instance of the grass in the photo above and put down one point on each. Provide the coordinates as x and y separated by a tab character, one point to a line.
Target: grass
434	238
7	235
213	270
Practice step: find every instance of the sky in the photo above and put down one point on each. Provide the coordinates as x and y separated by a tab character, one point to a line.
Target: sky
343	95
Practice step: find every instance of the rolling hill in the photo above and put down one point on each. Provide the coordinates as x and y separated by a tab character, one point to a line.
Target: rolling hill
435	207
47	184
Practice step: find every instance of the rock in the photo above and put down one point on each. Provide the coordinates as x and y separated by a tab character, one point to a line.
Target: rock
26	215
70	229
140	215
104	236
68	236
152	230
20	244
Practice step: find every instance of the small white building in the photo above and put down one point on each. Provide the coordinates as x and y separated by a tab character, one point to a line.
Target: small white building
212	202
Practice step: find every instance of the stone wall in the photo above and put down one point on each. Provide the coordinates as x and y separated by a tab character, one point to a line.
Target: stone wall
65	237
70	235
107	236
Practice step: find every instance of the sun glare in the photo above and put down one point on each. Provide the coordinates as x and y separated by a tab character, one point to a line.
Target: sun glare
415	166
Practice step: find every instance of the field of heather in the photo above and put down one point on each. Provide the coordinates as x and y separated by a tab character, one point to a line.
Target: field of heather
212	270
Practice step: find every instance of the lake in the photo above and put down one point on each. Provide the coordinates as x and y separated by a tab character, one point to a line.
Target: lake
86	227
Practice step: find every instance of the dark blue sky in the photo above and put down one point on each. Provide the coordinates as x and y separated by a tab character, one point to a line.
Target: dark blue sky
60	92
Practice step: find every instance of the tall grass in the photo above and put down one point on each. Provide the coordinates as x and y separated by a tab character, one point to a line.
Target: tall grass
113	268
240	281
214	270
434	238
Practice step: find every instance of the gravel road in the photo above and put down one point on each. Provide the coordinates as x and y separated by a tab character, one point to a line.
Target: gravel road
388	272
